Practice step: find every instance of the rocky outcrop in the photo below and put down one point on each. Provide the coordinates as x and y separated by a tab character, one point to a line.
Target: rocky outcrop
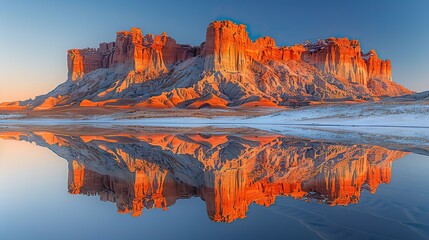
82	61
345	59
229	172
377	68
130	52
229	48
341	57
225	47
155	71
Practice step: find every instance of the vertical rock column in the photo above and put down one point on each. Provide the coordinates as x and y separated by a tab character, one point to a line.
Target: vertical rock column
75	64
128	52
225	47
377	68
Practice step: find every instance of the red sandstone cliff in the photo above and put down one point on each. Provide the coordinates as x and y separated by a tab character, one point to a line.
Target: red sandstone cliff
228	69
130	51
225	47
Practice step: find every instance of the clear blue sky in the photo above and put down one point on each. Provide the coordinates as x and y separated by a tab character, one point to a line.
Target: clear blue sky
36	34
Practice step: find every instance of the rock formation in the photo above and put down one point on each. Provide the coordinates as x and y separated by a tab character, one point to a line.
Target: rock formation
229	172
154	71
130	52
225	47
341	57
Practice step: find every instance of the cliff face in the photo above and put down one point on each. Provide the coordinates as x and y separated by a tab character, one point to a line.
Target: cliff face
377	68
130	52
228	69
225	47
340	57
229	48
82	61
345	59
229	172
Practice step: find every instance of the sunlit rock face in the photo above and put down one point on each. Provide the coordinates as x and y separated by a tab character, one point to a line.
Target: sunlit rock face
130	52
225	47
228	171
341	57
229	48
377	68
344	59
228	69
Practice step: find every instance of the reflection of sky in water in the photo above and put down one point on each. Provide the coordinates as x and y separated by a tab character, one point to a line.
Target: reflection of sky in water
35	204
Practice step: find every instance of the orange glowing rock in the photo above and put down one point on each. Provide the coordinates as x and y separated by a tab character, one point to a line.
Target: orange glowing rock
339	56
210	100
225	47
260	102
12	106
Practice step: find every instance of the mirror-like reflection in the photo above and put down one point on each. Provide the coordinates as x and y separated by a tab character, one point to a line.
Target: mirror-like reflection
229	171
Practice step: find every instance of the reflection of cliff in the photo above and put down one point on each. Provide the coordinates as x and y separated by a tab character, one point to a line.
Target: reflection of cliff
229	172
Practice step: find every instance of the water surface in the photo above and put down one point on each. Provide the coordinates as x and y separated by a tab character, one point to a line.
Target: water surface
157	183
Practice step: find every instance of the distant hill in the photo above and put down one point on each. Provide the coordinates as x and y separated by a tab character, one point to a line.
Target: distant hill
411	97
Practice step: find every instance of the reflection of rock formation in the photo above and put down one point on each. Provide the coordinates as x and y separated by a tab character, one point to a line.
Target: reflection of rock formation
229	172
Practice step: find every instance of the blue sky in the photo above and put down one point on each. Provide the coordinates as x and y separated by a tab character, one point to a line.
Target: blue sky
36	34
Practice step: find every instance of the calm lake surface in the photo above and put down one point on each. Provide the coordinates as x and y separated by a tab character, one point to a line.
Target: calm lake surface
156	183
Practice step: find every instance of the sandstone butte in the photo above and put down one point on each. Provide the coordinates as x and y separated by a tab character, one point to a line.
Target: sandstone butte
227	70
229	172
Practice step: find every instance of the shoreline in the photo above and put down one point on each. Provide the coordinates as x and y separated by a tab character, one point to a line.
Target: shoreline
367	115
210	122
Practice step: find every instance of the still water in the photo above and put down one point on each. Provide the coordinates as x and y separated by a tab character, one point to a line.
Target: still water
96	183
